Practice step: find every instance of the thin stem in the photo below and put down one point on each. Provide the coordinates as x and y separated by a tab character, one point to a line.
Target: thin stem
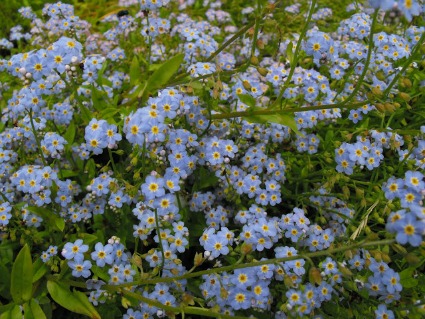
290	110
366	65
230	41
259	263
405	65
37	140
296	53
161	247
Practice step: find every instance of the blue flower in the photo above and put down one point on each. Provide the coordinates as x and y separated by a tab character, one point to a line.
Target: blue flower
382	312
216	244
294	297
391	280
5	214
74	250
153	187
409	230
102	254
80	267
239	298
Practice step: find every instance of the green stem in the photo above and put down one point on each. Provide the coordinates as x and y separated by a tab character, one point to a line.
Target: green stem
182	309
405	65
230	41
37	140
258	263
290	110
111	159
158	231
366	65
296	53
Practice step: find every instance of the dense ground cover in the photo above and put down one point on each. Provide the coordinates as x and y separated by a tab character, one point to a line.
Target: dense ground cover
224	159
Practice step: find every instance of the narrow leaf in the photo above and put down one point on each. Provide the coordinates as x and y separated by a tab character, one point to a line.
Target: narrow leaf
283	119
60	224
36	310
21	281
39	270
28	311
47	215
73	301
97	99
6	309
69	135
290	54
13	313
108	113
247	99
134	71
164	73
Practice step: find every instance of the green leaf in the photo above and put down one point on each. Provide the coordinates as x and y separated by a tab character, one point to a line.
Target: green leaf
101	80
28	311
68	173
108	113
75	301
100	272
4	282
39	269
52	219
283	119
90	169
247	99
36	310
85	113
88	238
134	71
290	54
60	224
6	309
12	313
406	278
21	281
97	99
164	73
207	179
69	135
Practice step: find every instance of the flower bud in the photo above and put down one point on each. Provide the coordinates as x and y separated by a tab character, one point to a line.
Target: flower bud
377	91
198	259
380	107
254	59
404	96
407	83
314	276
246	248
412	259
262	71
399	249
246	85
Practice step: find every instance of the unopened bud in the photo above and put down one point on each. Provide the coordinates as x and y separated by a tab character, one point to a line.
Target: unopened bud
314	276
262	71
246	248
260	44
198	259
399	249
377	91
412	259
407	83
254	60
270	7
389	107
246	85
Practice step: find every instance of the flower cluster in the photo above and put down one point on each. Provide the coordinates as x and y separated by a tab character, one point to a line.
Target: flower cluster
236	162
